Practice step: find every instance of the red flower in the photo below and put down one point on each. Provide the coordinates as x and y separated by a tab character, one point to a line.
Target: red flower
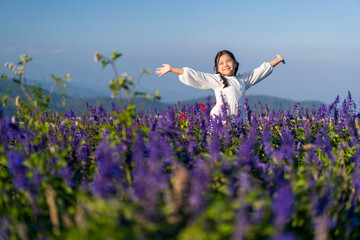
203	107
182	116
215	103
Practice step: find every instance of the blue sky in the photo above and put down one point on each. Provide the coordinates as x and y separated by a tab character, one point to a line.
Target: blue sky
320	41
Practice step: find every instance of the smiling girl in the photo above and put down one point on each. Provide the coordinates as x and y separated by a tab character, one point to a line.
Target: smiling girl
229	87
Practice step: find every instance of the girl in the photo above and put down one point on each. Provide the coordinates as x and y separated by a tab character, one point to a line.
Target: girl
229	87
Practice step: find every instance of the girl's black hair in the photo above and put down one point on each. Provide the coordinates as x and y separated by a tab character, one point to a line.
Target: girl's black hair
218	55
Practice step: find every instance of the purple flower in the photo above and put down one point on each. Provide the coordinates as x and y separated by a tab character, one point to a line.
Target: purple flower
150	178
245	153
247	111
4	228
67	174
266	137
198	186
285	151
214	145
244	182
18	170
242	223
321	203
101	112
108	179
286	236
283	205
70	114
112	108
140	152
37	178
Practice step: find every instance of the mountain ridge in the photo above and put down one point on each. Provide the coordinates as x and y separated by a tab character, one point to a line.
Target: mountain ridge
78	104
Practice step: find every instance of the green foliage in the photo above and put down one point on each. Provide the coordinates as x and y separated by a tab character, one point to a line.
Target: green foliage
216	223
31	101
124	83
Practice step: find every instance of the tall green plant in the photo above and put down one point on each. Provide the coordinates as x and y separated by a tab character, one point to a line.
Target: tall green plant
124	83
31	101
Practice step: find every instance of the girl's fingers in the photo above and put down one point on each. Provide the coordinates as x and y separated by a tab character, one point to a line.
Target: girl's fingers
161	70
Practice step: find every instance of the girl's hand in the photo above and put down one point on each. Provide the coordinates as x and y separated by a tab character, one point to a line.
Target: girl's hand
277	60
162	70
281	59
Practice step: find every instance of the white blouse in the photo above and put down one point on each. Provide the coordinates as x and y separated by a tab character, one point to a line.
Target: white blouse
234	94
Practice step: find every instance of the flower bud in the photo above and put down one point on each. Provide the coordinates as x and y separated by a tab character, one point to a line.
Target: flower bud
97	57
68	77
17	101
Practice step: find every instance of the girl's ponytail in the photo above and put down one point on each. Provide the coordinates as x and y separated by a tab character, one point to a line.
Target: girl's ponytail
224	80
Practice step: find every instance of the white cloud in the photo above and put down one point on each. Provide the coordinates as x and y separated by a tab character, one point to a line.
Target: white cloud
56	51
34	51
10	49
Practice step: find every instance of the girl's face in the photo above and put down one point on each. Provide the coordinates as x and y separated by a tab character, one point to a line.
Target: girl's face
226	65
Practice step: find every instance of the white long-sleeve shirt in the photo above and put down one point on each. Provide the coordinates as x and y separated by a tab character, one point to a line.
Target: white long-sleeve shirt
234	93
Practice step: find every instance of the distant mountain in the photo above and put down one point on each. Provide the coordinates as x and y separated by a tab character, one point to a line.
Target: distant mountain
78	104
273	103
72	89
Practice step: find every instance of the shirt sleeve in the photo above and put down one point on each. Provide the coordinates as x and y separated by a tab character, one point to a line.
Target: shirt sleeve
253	77
200	80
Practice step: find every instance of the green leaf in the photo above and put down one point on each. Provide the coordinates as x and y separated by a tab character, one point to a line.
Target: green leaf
115	55
23	58
4	76
4	99
104	63
17	81
121	80
139	93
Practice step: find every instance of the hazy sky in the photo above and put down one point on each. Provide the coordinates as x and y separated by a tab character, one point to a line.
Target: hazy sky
319	39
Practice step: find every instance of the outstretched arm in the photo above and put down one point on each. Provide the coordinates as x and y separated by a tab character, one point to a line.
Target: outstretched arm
168	68
192	78
277	60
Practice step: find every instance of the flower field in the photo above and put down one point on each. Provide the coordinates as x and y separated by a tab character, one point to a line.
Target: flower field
175	174
178	174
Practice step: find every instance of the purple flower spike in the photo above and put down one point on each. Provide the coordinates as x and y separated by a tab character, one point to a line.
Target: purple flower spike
70	114
100	111
18	170
285	151
199	183
283	205
4	228
112	108
110	174
266	137
67	174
